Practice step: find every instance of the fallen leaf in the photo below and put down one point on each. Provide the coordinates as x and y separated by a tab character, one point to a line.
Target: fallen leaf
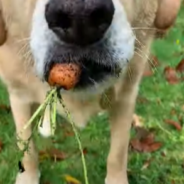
148	73
142	100
174	124
148	70
141	133
85	151
53	154
69	133
149	139
144	142
136	144
152	147
173	182
180	66
71	180
171	75
5	107
43	155
1	145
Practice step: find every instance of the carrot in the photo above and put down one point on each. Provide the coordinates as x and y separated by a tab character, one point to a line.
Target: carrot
65	75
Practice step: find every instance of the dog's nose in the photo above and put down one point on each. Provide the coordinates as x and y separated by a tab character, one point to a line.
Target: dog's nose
80	22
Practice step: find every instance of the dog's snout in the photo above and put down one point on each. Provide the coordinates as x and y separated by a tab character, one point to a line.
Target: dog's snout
80	22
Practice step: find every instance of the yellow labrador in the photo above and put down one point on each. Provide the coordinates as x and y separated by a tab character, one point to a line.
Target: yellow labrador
107	37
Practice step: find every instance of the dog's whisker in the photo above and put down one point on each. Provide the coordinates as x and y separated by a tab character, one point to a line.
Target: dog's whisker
148	58
139	42
145	28
23	40
22	49
142	56
129	71
92	80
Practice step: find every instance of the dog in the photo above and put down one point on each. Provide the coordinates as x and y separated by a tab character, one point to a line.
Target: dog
110	38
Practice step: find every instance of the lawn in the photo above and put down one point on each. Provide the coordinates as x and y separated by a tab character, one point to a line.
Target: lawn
158	102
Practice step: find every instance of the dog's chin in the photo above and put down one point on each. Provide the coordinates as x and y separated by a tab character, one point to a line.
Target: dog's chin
91	89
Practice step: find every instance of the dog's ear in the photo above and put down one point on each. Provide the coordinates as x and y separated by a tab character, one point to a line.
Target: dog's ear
166	14
3	32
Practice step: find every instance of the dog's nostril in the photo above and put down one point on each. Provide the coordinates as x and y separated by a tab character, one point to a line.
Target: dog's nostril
63	21
57	19
100	18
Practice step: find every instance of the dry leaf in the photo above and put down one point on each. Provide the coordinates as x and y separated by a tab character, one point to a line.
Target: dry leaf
145	142
142	100
85	151
174	124
148	73
53	154
1	145
152	147
180	66
171	75
69	133
136	144
5	107
149	139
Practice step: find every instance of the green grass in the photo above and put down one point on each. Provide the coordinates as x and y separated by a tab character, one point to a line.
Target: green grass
168	169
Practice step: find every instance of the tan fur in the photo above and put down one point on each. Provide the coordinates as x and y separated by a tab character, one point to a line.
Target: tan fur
25	89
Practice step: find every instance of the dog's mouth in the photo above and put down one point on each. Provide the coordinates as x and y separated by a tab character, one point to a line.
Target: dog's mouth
92	72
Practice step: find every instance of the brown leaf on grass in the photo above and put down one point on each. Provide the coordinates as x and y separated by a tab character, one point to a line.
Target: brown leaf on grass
5	107
149	139
174	124
144	141
148	73
148	70
173	182
85	151
140	146
180	66
171	75
53	154
152	147
141	132
1	145
69	133
142	100
136	144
